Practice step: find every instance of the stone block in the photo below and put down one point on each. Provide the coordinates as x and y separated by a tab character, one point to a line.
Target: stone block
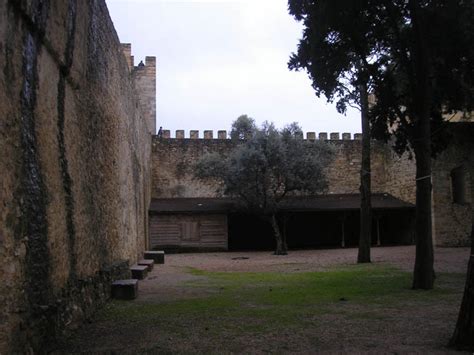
346	136
358	136
194	134
149	263
158	256
139	271
222	134
311	136
334	136
125	289
180	133
166	133
323	136
208	134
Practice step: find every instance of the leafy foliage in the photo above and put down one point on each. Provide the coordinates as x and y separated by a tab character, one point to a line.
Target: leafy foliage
243	127
268	166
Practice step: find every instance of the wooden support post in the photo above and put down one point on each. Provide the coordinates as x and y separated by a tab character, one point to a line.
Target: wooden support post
378	232
343	241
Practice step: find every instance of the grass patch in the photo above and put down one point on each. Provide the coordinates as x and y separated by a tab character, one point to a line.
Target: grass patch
282	298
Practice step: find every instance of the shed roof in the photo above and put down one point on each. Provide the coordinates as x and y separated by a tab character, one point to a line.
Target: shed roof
330	202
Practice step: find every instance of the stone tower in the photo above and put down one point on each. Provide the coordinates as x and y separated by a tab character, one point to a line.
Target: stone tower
144	75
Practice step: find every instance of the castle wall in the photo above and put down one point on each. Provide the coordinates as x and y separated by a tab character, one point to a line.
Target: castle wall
145	82
173	160
74	162
453	220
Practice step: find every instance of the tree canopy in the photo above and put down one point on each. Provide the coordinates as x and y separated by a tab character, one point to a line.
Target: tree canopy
266	167
418	59
337	50
243	127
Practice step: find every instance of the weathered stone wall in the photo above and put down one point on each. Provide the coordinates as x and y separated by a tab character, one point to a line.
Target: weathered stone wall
173	160
145	81
452	221
74	162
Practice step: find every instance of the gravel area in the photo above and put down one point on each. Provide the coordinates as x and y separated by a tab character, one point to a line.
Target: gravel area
165	284
418	325
446	259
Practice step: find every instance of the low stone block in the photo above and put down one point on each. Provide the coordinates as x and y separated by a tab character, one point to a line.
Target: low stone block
125	289
139	271
148	263
158	256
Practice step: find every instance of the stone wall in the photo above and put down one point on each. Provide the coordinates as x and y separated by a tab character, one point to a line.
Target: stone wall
173	160
453	220
74	162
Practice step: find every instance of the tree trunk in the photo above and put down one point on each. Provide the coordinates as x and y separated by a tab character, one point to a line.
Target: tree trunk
365	237
463	337
423	277
280	247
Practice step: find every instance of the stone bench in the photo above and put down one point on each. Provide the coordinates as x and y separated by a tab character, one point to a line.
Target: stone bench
157	255
125	289
139	271
148	263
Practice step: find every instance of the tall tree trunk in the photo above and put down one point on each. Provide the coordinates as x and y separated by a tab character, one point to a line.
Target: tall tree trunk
365	237
463	337
423	276
280	248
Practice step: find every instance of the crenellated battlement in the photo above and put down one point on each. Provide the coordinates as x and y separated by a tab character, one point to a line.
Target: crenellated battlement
144	77
222	134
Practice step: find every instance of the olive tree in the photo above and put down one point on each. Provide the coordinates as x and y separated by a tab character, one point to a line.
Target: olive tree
265	168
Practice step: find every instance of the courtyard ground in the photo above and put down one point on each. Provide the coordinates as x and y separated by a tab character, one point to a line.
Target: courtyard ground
307	302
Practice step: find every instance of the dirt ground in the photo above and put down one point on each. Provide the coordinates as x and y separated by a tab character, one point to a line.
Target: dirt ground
413	329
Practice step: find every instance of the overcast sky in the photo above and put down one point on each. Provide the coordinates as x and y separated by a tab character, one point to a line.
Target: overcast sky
218	59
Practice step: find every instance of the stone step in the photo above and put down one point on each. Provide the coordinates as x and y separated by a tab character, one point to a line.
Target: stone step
139	271
147	262
125	289
157	255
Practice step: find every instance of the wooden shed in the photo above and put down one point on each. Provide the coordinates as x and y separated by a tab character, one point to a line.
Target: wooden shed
308	222
189	224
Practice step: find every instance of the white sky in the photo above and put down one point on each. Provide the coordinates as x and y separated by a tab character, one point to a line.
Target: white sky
218	59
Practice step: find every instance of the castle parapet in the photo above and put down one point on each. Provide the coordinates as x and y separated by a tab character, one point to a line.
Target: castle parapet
222	135
144	78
